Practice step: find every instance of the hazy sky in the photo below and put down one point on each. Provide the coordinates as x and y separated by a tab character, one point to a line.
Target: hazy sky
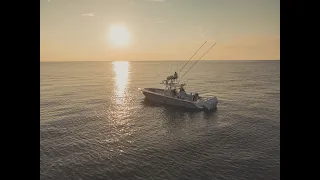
79	30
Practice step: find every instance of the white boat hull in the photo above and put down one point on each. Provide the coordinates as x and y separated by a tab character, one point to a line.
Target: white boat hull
159	96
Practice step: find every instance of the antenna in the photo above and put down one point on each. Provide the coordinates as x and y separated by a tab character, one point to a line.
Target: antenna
192	56
197	60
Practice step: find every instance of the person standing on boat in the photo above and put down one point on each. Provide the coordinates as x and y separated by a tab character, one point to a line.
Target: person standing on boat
195	97
182	94
175	76
174	92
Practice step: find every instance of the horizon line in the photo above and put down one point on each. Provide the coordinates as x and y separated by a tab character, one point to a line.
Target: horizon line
151	60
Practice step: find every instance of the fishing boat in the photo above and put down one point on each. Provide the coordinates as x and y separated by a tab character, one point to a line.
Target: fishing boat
174	93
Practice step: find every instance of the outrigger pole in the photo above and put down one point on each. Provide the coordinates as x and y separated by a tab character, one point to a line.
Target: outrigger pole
192	56
197	60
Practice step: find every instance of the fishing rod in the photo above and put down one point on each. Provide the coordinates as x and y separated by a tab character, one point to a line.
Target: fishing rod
197	61
192	56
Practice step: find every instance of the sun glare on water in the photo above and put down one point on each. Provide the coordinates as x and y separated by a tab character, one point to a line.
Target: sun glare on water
121	70
118	36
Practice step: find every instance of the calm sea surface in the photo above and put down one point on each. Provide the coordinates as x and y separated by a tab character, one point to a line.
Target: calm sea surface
95	124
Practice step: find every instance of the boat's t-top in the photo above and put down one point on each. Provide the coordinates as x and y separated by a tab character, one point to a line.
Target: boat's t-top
171	82
172	86
173	77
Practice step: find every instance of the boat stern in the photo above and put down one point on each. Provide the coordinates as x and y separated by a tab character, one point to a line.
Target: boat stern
209	104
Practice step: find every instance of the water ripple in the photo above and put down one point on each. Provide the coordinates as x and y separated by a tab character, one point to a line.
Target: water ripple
88	130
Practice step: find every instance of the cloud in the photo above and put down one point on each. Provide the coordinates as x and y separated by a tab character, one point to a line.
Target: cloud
88	14
156	0
248	48
160	22
132	2
200	31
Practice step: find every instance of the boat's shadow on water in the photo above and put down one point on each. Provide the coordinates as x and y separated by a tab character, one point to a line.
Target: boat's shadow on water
174	112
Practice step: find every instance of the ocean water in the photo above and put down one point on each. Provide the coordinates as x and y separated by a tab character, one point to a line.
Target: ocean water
95	124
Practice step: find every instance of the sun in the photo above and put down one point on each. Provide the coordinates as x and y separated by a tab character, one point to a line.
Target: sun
118	36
